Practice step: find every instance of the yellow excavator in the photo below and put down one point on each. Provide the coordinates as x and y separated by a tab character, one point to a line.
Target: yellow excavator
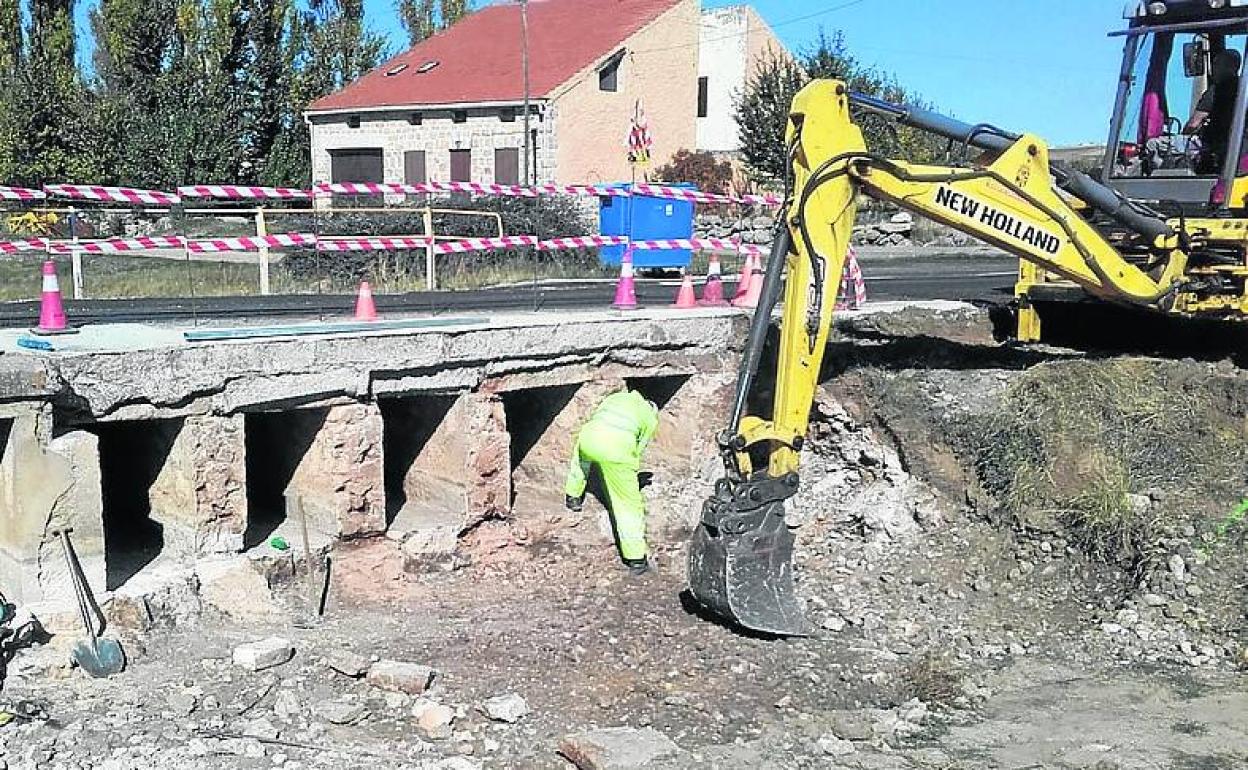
1164	227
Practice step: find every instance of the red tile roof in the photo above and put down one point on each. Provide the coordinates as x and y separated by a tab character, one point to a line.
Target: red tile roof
480	58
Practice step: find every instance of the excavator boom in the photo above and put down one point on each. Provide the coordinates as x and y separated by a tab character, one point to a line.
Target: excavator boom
740	561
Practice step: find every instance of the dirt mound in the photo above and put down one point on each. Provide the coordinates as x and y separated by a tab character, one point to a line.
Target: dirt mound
1093	496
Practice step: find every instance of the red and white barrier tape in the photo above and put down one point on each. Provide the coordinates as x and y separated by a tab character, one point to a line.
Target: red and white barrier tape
582	242
246	192
484	244
20	194
853	287
371	244
476	188
254	243
584	190
29	244
117	245
383	243
236	192
113	194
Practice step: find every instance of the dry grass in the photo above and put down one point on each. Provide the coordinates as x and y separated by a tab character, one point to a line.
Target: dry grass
1073	441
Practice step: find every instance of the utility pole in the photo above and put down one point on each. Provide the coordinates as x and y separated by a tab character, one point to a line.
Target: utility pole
524	45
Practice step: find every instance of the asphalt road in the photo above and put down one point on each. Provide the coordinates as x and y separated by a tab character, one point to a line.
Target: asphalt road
977	275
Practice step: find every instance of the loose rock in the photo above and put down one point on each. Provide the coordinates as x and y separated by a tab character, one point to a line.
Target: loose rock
411	678
340	712
347	663
267	653
616	748
505	708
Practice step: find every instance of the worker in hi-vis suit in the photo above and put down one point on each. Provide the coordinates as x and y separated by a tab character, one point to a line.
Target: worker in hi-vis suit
614	439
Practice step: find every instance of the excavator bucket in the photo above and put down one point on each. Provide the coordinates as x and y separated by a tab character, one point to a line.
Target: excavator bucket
746	578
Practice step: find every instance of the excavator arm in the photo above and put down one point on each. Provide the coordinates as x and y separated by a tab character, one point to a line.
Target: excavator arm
740	561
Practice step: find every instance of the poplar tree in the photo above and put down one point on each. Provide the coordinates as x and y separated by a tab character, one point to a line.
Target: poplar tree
423	19
11	41
762	109
47	104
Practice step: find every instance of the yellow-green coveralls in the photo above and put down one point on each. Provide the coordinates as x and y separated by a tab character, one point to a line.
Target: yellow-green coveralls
614	438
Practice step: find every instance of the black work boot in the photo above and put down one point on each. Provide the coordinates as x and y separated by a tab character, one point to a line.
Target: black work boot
638	567
574	504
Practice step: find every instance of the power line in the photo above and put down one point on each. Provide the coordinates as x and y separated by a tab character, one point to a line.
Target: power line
778	24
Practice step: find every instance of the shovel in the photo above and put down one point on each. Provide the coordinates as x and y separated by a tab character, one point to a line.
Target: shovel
98	657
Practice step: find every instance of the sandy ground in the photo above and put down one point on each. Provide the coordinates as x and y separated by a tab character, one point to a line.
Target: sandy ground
586	645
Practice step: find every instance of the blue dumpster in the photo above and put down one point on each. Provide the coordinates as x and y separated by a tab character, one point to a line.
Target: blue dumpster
645	218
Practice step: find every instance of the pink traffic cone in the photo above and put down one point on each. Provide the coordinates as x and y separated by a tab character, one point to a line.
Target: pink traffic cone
626	289
747	277
713	292
365	306
686	299
52	319
754	291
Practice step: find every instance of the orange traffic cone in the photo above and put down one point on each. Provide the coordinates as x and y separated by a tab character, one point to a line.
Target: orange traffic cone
747	277
754	291
686	299
52	319
713	292
626	289
365	307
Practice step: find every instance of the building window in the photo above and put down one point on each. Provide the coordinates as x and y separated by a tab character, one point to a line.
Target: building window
507	114
459	116
356	165
507	166
416	118
414	171
609	74
461	165
703	88
353	121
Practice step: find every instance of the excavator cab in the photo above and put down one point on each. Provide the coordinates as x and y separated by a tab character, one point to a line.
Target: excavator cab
1182	60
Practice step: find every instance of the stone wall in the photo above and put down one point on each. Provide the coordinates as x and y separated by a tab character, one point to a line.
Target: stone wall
438	134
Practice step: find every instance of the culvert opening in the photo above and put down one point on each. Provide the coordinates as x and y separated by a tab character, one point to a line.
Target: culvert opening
660	390
543	426
277	446
6	492
133	456
425	460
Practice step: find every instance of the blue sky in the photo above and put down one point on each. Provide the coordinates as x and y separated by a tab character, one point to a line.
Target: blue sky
1044	66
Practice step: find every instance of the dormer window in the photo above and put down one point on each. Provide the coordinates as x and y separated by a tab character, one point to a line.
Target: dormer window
396	69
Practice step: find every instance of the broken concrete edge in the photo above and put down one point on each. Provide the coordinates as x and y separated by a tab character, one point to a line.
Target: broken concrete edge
217	378
93	383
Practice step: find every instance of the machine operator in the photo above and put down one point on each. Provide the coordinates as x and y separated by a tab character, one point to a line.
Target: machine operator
1214	115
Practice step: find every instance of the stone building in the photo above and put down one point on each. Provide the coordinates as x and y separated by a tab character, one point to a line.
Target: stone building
451	108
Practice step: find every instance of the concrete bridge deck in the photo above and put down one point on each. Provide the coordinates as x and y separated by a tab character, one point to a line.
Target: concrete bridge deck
157	450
